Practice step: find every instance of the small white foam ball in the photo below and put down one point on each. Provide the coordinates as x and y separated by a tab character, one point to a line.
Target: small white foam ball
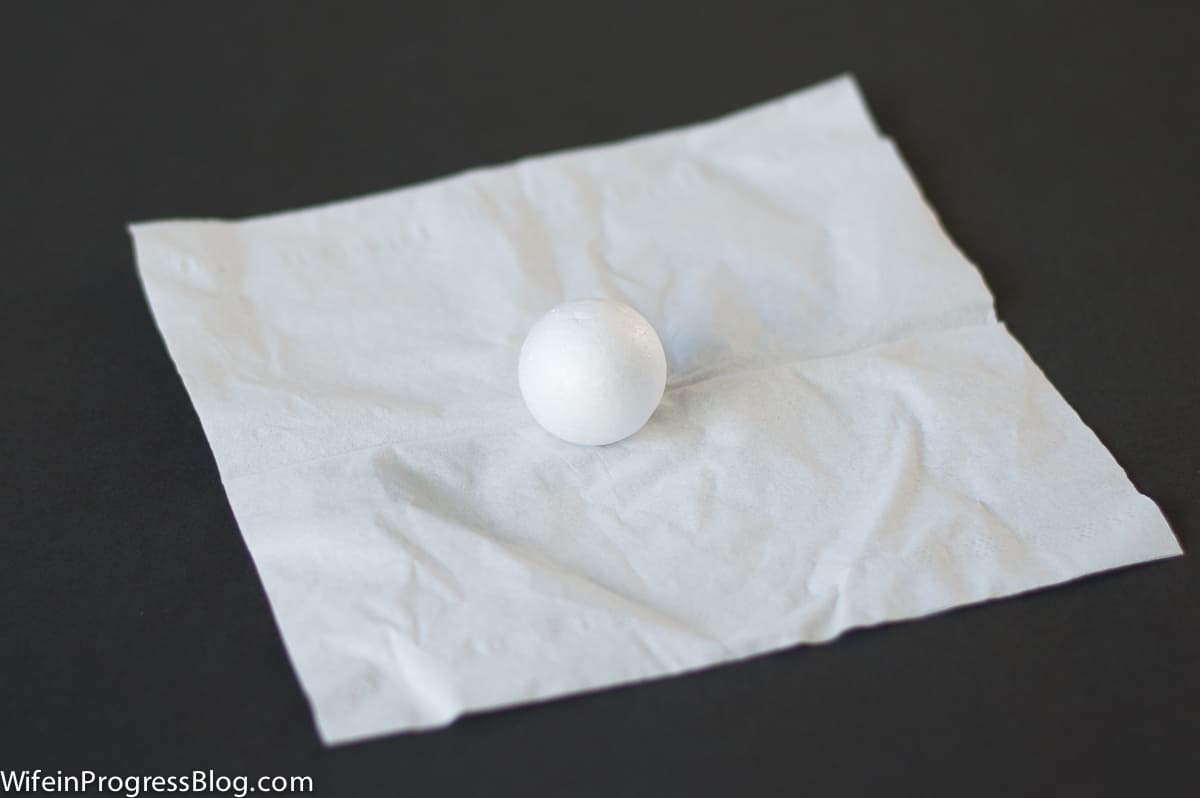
592	371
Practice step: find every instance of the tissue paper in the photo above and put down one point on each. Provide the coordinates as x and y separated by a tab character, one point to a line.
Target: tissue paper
848	436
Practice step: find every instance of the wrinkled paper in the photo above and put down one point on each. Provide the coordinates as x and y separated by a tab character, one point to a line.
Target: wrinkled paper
848	434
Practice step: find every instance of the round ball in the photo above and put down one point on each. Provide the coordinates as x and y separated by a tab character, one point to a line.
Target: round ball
592	371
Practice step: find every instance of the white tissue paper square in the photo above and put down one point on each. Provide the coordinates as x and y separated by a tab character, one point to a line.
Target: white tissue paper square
848	435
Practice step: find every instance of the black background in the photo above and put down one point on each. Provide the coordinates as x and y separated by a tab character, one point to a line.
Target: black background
1058	142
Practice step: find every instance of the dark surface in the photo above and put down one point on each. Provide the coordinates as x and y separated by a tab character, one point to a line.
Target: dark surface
1058	142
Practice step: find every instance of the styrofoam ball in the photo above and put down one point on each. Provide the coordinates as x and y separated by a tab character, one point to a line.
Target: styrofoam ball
592	371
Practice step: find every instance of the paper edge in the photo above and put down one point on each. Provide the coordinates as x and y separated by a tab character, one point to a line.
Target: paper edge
829	85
